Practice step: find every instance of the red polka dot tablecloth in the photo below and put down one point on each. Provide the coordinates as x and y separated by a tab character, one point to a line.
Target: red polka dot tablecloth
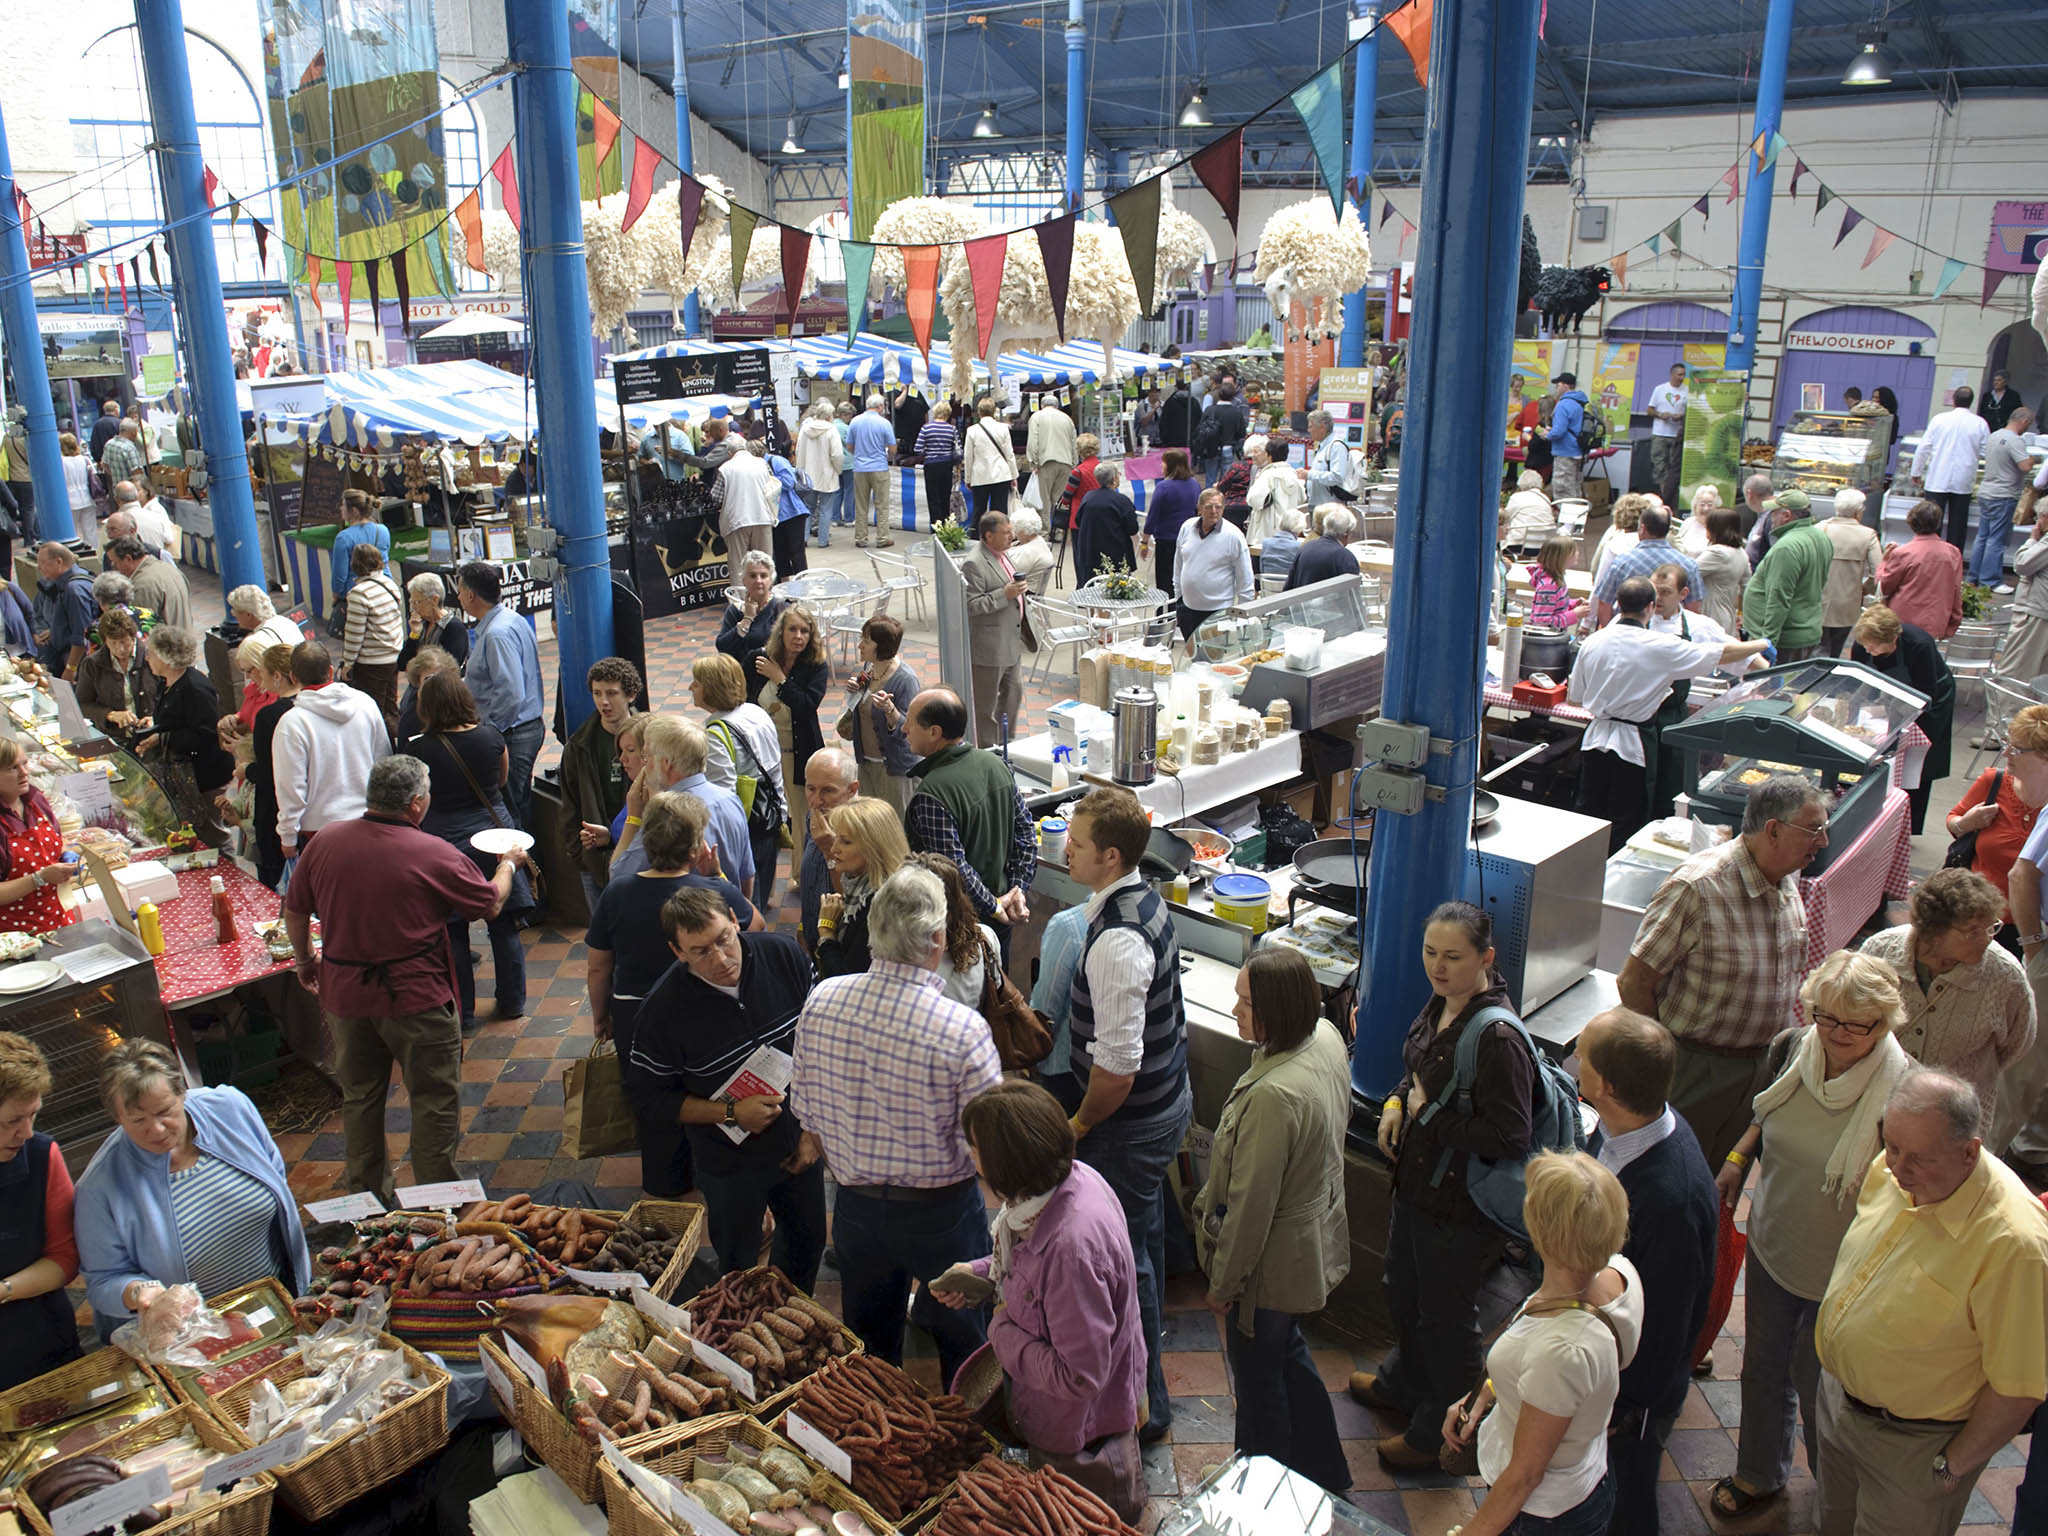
193	965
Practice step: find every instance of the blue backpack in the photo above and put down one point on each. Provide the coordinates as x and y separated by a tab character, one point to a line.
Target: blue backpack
1495	1184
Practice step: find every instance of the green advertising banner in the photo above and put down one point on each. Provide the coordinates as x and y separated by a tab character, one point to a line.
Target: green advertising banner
159	373
1714	420
885	67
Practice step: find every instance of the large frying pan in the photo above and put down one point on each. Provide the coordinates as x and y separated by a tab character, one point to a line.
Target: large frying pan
1339	863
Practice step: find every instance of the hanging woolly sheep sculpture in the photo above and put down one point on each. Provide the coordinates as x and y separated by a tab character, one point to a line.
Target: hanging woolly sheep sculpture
1306	255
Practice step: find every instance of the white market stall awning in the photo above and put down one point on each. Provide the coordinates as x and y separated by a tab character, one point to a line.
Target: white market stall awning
878	360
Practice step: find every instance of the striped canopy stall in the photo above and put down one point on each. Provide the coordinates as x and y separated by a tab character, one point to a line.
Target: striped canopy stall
877	360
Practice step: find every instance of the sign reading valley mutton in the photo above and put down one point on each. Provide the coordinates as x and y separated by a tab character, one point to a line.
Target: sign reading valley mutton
679	378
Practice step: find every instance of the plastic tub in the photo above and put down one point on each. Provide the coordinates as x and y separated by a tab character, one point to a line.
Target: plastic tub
1243	899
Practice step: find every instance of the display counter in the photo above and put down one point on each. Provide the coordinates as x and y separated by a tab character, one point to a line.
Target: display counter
1822	452
1195	789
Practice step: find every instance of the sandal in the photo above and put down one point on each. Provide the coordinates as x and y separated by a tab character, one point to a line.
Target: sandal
1731	1500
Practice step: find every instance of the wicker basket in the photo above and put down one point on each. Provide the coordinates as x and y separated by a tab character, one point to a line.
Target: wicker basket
769	1408
74	1382
342	1471
684	1218
184	1379
450	1322
673	1452
243	1510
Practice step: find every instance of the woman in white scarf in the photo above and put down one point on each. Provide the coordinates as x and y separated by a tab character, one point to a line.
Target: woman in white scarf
1275	489
1815	1136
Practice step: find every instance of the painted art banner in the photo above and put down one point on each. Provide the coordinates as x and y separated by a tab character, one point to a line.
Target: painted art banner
1714	418
2018	231
1531	364
885	70
1706	354
1612	387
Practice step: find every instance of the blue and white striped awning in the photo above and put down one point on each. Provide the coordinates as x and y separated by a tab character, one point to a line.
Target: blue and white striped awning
878	360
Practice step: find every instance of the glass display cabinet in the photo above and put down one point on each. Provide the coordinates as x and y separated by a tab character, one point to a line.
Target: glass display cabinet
1348	668
1822	452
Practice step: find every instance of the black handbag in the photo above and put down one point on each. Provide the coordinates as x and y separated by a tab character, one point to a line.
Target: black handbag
1962	853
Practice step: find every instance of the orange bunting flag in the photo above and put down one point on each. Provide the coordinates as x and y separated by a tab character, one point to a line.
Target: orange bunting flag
1412	24
985	267
312	282
921	275
469	219
607	130
345	280
1880	242
1619	268
645	159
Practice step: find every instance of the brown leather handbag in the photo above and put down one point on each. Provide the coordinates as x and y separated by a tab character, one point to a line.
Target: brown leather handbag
1022	1034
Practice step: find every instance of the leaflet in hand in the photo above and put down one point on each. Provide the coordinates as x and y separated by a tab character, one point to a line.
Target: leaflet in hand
766	1071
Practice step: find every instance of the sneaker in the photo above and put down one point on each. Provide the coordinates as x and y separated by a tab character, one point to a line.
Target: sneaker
2003	589
885	543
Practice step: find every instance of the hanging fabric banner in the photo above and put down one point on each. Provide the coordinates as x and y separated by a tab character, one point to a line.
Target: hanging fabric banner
1879	243
402	281
1849	221
859	258
1951	269
1619	267
1412	24
1320	103
1992	278
1056	245
796	255
985	272
1220	168
742	227
1136	210
921	280
885	48
646	158
689	204
469	219
1822	199
597	170
505	171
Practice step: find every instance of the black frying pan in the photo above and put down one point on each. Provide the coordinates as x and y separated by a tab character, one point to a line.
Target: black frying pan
1340	862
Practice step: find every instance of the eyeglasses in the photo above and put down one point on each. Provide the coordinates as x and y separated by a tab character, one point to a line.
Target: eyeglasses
1850	1026
1812	834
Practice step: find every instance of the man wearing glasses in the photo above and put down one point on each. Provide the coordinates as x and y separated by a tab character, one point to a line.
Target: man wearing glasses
1719	955
2019	1128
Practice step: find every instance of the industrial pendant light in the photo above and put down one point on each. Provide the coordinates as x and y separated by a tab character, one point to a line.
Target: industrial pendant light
845	79
1870	66
985	126
1192	115
789	143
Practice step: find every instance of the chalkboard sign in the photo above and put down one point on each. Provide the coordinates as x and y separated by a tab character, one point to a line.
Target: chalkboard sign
680	378
320	491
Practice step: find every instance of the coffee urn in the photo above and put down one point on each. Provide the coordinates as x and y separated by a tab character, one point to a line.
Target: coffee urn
1136	742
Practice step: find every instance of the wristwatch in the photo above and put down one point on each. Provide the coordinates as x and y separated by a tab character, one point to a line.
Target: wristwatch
732	1111
1941	1468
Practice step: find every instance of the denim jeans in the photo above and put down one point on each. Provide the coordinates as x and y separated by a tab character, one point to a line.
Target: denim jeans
1436	1272
1994	523
1283	1409
522	745
1780	1377
1132	1156
842	509
884	1244
1589	1517
508	967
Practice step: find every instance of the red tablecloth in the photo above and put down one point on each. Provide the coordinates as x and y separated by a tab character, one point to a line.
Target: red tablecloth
1876	866
193	965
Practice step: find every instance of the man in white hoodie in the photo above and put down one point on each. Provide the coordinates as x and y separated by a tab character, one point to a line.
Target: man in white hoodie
820	458
324	749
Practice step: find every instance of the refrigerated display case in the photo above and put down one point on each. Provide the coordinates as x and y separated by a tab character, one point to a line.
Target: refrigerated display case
1349	670
1822	452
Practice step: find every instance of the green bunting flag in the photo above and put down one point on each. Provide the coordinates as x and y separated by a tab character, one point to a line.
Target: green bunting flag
1321	105
1821	199
1672	234
859	257
1136	210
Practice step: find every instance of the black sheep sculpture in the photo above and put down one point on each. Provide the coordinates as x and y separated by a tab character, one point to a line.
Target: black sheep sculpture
1564	294
1532	267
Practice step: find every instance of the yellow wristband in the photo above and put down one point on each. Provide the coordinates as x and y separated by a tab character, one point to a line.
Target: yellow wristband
1738	1159
1393	1102
632	821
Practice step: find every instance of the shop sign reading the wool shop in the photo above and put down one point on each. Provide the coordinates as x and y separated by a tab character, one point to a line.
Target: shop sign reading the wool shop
1849	341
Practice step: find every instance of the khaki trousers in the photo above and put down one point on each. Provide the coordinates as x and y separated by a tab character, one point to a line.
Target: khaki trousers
998	692
1877	1478
2019	1124
878	783
1052	485
870	503
428	1050
1713	1093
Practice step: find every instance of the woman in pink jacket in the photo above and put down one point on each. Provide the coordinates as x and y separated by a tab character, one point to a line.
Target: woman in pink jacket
1066	1324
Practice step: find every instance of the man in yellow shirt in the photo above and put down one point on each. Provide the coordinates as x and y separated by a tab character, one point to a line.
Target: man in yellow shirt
1933	1334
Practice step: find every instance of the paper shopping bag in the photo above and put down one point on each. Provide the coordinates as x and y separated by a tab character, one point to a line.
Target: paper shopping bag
596	1120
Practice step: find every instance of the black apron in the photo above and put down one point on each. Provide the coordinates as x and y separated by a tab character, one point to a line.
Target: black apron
1661	774
39	1333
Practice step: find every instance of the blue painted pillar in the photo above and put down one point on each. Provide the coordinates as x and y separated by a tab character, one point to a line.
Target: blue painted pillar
1364	99
1756	208
1482	74
25	357
195	290
1077	103
558	312
685	151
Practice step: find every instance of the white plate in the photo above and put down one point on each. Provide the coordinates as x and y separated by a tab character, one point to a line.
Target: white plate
31	976
501	840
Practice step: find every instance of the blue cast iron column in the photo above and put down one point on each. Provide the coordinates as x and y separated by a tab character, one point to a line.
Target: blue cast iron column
1364	99
1756	208
1077	102
558	310
685	152
25	357
1482	73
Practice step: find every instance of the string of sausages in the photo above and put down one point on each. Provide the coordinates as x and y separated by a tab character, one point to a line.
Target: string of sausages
905	1447
997	1498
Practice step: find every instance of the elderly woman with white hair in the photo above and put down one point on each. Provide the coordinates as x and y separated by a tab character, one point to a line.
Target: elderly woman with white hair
1276	555
1852	573
432	622
1031	557
1326	555
1528	517
187	720
253	610
1816	1131
1276	489
1692	536
751	610
110	589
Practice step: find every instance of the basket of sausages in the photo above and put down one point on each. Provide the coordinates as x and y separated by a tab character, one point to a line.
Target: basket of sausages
559	1233
442	1298
775	1334
906	1445
997	1498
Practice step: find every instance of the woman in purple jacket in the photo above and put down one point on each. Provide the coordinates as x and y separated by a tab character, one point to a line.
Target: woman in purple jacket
1067	1331
1173	503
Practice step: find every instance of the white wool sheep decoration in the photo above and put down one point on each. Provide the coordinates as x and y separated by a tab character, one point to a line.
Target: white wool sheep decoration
657	235
1102	301
764	265
501	248
615	265
1182	248
1305	254
2041	301
918	221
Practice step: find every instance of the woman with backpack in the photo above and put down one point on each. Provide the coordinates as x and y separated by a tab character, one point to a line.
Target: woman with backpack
1442	1248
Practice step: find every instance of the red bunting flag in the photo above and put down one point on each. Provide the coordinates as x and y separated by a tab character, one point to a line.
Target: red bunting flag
345	279
607	130
121	273
689	203
1412	24
469	218
506	172
985	268
312	284
1056	245
1879	242
645	158
1732	181
1220	166
921	274
796	255
212	182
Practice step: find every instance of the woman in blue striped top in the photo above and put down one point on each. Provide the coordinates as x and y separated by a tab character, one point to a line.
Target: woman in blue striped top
938	445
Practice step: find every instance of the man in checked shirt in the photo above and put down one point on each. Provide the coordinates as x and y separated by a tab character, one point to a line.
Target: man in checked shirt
966	806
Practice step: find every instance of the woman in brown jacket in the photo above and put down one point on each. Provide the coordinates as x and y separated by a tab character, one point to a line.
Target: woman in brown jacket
114	685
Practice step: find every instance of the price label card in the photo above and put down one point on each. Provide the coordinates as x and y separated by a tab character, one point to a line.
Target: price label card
500	1383
661	1313
807	1438
112	1504
260	1316
279	1452
445	1196
358	1207
741	1378
686	1511
108	1390
598	1280
657	1490
532	1368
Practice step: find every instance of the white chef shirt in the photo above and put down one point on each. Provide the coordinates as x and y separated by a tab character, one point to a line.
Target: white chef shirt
1623	676
1665	398
1119	968
1945	463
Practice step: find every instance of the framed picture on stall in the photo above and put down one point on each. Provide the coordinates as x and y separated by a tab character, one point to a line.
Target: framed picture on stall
499	545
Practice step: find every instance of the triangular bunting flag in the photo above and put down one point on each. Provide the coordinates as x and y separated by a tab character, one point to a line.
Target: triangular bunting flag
1759	144
1732	181
1798	170
645	158
401	279
1656	245
234	211
344	279
1771	152
1702	205
505	171
1879	243
796	255
437	264
1849	221
469	218
1220	168
1673	234
155	277
743	222
859	257
689	204
1951	269
1619	267
1412	24
1136	210
212	184
1991	281
262	244
1056	245
985	272
1320	102
1821	199
1386	212
313	286
607	131
921	278
121	272
376	297
135	271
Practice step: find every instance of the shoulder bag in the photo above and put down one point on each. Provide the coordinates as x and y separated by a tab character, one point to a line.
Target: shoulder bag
1962	853
490	804
1022	1034
756	790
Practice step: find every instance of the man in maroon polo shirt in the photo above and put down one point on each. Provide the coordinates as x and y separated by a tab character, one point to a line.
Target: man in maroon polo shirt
385	893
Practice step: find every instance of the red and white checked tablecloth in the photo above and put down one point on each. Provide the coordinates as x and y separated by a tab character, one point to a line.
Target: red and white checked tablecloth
1873	868
193	965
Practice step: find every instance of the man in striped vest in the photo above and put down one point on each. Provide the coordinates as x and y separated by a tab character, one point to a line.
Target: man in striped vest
1130	1047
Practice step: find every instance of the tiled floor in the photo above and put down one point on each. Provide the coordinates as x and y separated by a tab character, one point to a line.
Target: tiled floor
512	1120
